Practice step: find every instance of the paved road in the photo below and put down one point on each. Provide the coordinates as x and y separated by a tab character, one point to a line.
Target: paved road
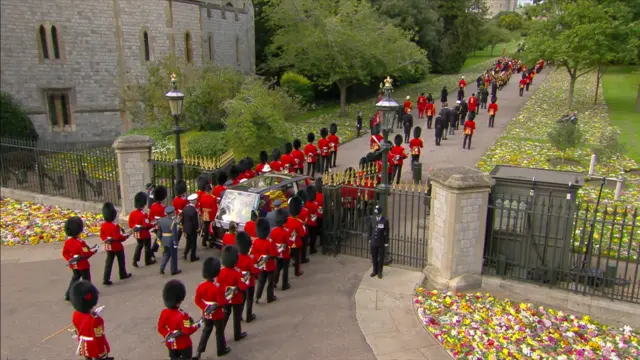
315	319
450	152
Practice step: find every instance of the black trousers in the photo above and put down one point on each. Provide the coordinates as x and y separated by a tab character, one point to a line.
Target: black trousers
453	128
192	244
221	342
438	136
77	274
415	159
170	253
483	104
464	142
181	354
146	243
492	118
527	87
333	156
205	233
237	317
444	132
108	265
325	163
249	295
300	170
397	174
521	91
295	256
282	266
304	255
407	135
429	121
377	258
311	169
313	237
266	277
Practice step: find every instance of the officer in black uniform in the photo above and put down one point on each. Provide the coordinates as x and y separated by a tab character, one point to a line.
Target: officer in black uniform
379	240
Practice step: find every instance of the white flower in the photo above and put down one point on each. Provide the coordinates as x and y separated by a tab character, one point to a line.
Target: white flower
627	330
526	350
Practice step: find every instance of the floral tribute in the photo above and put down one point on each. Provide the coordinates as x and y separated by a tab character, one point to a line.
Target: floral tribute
482	327
30	223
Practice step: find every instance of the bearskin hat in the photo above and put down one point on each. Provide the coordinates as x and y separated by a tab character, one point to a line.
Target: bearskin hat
242	165
281	217
140	200
210	268
417	131
222	178
318	184
333	128
324	132
363	161
83	296
243	242
311	192
295	206
288	148
397	140
371	157
73	226
160	193
250	163
303	196
297	144
229	256
202	181
262	228
311	137
264	157
180	188
275	154
173	293
376	130
234	172
109	212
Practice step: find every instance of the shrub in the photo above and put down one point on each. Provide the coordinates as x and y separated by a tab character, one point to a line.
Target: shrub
565	136
609	145
297	86
14	121
209	144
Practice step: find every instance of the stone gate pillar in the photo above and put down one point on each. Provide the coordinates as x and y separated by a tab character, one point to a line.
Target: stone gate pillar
459	202
134	167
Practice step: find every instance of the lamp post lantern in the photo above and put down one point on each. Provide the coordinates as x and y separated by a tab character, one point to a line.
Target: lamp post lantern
175	98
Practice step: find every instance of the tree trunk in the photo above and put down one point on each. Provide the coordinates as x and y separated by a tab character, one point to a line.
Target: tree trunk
573	76
598	76
492	47
343	86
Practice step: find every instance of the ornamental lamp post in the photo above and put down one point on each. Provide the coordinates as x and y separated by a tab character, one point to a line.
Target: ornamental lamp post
175	98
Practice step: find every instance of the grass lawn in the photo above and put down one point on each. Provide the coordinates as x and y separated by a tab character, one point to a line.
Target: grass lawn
620	85
484	55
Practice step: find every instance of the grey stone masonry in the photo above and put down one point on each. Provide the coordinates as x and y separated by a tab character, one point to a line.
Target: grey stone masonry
134	167
459	212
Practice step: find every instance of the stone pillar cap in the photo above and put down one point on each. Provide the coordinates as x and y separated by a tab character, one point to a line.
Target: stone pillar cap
461	177
132	142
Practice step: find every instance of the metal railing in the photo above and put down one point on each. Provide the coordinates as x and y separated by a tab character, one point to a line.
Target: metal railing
85	171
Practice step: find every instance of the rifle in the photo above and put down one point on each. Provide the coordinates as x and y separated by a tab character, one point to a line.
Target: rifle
74	260
96	312
172	336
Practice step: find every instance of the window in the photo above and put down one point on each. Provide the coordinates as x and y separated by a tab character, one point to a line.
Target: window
238	49
59	109
209	13
229	5
147	51
43	42
187	47
210	42
54	41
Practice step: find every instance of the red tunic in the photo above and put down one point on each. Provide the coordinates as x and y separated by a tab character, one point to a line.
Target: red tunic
422	102
172	320
179	203
263	247
408	105
109	230
523	83
249	174
250	228
462	83
310	153
416	145
218	190
319	201
295	227
232	277
349	196
156	211
247	263
73	247
323	146
241	177
473	103
312	208
207	293
430	109
375	142
138	217
298	158
493	108
334	141
91	336
397	155
469	127
276	165
259	168
229	239
287	162
208	207
280	236
200	194
391	162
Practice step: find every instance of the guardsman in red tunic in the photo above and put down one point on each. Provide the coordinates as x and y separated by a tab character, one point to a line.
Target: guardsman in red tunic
175	325
416	144
242	170
376	139
89	325
180	200
76	252
473	103
265	252
250	226
311	155
407	104
430	110
275	163
247	265
325	150
219	189
264	159
305	217
312	221
298	156
493	109
208	211
284	241
234	173
422	105
139	223
156	212
229	238
210	299
231	281
523	84
112	237
319	201
529	79
249	173
295	227
334	141
288	165
398	154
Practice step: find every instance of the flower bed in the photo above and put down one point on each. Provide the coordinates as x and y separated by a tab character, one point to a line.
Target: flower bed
30	223
479	326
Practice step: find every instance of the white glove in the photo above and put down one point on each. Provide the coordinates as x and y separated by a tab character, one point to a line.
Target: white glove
386	245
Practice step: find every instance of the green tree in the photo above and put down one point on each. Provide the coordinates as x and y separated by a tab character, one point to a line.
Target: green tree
510	20
564	136
581	35
341	42
297	85
493	35
14	121
257	118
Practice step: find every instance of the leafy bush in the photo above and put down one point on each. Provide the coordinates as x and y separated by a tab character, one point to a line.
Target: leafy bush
14	121
565	136
297	85
609	145
209	144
